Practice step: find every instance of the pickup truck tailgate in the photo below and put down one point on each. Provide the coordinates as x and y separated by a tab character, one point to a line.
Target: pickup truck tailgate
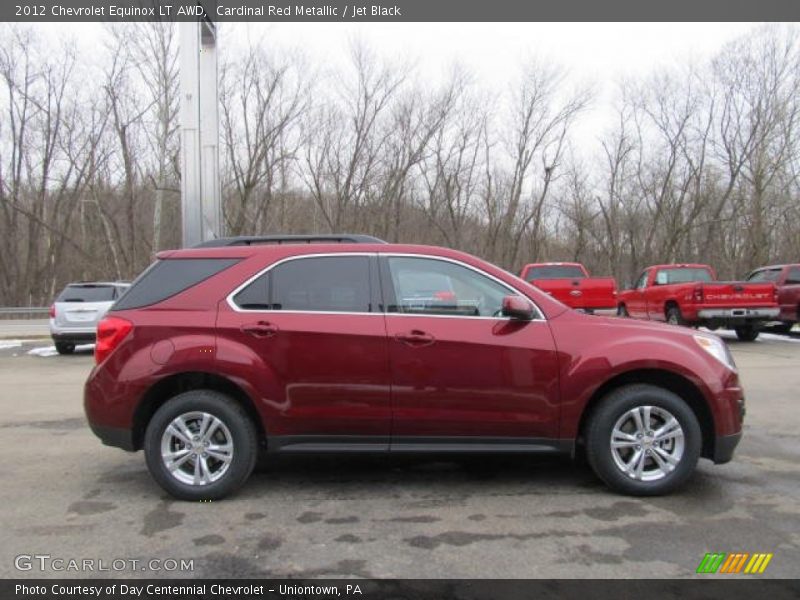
738	294
588	292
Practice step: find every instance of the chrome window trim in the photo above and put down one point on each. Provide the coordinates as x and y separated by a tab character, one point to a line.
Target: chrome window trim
229	298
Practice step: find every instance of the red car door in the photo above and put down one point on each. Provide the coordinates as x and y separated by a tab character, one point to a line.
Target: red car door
636	300
317	341
462	373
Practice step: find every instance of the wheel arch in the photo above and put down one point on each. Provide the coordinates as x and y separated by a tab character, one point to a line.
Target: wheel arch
168	387
670	303
669	380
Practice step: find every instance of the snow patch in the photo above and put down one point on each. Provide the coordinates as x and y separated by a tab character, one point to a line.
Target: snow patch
778	338
762	337
43	351
47	351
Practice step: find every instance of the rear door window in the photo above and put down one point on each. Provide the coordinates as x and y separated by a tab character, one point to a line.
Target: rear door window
255	296
320	284
166	278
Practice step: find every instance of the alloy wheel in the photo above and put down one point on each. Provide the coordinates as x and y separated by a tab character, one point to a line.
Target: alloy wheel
647	443
197	448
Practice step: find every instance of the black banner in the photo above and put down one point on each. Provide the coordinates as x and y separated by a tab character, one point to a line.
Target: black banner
730	588
399	10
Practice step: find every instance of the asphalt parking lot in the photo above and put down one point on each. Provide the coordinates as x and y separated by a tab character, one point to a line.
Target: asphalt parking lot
67	496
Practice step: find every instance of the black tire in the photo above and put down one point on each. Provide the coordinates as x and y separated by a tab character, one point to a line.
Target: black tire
242	431
747	333
784	327
622	311
674	316
65	347
612	408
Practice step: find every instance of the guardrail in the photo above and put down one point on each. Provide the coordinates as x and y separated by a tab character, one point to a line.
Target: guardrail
24	312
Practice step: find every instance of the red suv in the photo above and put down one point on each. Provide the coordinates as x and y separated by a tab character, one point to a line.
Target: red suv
245	346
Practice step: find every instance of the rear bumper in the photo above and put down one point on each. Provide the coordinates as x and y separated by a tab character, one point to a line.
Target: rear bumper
74	336
724	447
114	436
739	313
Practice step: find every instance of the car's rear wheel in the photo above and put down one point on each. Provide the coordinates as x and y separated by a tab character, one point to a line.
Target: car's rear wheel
784	327
65	347
200	445
747	333
643	440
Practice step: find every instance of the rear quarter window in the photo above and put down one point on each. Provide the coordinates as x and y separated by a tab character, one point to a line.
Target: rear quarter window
168	277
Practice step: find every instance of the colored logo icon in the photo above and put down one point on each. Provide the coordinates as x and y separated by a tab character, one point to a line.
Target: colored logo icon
734	563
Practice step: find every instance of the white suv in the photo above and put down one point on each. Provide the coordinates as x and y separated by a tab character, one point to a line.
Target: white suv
77	310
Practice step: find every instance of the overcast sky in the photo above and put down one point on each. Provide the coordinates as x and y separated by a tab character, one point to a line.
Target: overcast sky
594	53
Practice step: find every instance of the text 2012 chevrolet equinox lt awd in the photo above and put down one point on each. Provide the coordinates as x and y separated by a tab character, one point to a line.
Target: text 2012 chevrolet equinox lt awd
245	346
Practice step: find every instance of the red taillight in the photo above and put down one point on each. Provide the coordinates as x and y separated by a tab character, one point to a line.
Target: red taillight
698	294
52	311
110	332
444	295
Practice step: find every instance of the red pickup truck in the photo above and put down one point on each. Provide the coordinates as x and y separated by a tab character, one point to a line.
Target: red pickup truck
787	279
571	284
689	294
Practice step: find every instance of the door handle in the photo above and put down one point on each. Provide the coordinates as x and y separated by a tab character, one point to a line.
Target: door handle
260	329
415	337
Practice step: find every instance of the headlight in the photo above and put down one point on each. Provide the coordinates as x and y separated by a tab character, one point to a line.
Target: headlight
716	348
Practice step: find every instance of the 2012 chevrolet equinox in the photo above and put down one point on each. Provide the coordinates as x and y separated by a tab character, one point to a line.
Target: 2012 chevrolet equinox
277	345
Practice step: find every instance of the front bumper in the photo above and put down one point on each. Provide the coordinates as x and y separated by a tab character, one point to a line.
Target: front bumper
724	447
739	313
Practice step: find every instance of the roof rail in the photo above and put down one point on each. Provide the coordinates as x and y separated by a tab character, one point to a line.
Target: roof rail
252	240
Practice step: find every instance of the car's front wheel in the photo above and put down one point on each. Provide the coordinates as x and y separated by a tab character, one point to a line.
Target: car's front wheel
674	316
200	445
643	440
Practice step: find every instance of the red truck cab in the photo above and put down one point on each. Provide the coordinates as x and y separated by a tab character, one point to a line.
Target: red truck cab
571	284
689	294
787	280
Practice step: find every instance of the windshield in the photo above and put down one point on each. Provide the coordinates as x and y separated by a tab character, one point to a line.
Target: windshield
87	293
765	275
555	272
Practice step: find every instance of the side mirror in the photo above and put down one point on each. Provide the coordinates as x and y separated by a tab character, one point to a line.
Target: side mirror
517	307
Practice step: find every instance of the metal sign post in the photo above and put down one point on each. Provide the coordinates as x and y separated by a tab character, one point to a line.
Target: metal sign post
200	184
